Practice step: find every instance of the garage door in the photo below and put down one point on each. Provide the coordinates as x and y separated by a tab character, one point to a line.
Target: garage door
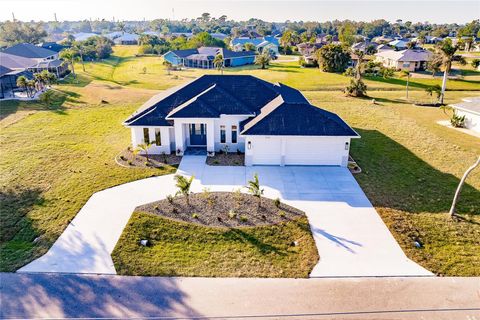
266	151
313	151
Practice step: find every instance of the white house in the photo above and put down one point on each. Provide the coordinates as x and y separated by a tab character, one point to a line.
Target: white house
272	124
470	108
409	59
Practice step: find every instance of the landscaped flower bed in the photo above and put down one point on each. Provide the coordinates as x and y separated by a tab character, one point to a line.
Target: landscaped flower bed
226	159
128	158
217	234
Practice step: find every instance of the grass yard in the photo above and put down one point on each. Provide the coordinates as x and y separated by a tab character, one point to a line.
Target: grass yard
187	249
52	162
123	68
411	168
55	157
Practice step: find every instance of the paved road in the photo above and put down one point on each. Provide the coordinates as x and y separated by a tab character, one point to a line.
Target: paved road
89	296
351	238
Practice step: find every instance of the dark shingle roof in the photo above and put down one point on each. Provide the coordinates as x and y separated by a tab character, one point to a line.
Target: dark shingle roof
52	46
204	53
28	50
185	53
275	109
4	70
15	62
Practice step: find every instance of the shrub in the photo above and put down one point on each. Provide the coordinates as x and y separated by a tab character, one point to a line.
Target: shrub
155	208
145	49
170	198
277	202
130	163
281	213
243	218
356	88
232	214
123	158
195	216
457	121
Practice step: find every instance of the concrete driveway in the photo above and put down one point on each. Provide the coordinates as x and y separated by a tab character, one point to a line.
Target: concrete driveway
351	238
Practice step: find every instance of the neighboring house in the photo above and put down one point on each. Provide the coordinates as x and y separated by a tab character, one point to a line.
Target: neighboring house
31	51
261	44
272	123
364	45
203	57
126	39
307	49
8	80
398	44
382	39
114	35
53	46
82	36
409	59
219	36
187	35
470	108
384	47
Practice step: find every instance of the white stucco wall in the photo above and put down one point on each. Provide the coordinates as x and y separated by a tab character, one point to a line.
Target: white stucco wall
472	120
228	122
137	138
297	150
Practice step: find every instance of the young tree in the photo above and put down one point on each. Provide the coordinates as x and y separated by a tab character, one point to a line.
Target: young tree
183	185
71	56
47	98
262	60
405	74
218	62
254	188
333	58
460	185
168	66
436	89
22	82
143	147
347	33
447	51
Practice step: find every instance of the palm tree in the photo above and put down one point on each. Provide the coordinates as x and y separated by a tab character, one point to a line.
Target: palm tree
143	147
218	62
70	55
183	185
22	83
460	185
31	87
168	66
434	89
262	60
447	51
358	67
405	74
47	98
254	188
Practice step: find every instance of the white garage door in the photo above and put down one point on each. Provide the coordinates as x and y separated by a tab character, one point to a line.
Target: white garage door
313	151
266	150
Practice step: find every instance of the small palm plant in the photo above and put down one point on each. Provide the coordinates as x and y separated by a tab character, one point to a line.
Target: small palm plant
262	60
218	62
183	185
143	147
254	189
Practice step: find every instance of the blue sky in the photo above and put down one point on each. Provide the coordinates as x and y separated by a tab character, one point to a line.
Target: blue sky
279	10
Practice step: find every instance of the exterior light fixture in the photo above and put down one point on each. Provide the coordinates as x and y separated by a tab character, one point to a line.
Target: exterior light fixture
346	145
249	145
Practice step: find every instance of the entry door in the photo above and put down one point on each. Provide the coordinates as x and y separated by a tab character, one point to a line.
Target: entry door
198	134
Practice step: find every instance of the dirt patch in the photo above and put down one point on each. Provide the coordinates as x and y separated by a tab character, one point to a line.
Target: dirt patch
223	209
128	159
226	159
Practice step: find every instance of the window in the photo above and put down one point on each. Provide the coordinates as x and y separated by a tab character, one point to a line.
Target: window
234	134
223	138
146	136
158	137
406	64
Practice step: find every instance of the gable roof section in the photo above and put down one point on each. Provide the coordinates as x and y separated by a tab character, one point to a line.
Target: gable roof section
28	50
406	55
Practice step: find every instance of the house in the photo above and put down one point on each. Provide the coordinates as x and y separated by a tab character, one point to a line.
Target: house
307	49
409	59
219	36
82	36
384	47
273	124
382	39
267	43
126	39
31	51
113	35
365	46
53	46
8	80
470	108
33	58
203	57
398	44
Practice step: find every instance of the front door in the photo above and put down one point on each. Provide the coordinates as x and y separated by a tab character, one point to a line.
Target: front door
198	134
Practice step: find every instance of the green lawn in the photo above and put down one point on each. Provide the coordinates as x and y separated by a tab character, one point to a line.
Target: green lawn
52	162
186	249
123	68
55	157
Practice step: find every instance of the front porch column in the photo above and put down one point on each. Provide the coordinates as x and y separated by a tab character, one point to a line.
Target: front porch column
179	138
210	136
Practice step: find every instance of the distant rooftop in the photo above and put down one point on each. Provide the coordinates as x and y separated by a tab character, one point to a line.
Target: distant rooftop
28	50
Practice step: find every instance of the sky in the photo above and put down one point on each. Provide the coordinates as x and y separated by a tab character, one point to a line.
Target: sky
277	11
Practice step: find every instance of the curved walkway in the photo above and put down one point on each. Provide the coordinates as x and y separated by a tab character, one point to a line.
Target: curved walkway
351	238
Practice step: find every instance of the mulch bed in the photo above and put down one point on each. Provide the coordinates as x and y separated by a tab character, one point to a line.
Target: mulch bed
226	159
127	159
223	209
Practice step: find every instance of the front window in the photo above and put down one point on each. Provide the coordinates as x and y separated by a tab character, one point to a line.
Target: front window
234	134
406	64
223	137
146	136
158	137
